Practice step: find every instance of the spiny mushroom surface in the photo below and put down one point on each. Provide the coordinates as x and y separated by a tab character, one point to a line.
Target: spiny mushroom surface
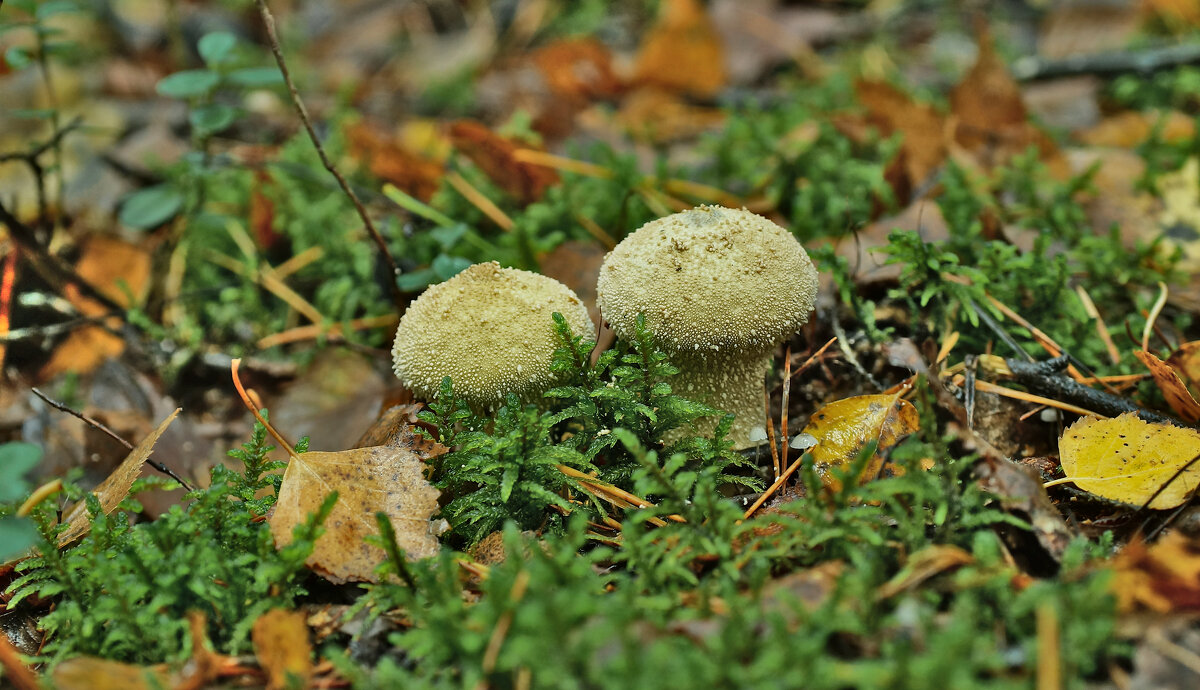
490	330
720	288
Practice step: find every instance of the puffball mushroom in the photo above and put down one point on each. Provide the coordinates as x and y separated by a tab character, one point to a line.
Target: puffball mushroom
490	329
721	288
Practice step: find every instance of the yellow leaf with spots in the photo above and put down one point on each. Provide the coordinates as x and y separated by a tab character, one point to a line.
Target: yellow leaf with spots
843	428
1127	459
368	480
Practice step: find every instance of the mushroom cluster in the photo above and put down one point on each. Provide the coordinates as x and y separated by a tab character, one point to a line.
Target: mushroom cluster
720	288
490	330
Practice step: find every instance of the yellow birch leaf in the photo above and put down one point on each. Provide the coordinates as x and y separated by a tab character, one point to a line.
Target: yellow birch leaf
368	480
844	427
283	649
1127	459
115	487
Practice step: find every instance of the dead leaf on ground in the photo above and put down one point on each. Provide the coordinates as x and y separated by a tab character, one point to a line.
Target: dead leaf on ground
1163	577
120	271
922	126
115	488
1132	128
494	155
658	116
579	69
1177	15
390	160
368	480
930	561
577	265
1172	386
990	120
1019	490
92	673
843	428
1126	459
682	53
282	647
1186	361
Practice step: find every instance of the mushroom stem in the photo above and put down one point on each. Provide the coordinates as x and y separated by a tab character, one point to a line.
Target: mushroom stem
729	380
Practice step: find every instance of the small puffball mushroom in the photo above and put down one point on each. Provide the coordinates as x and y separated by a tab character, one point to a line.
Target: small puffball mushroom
490	329
721	288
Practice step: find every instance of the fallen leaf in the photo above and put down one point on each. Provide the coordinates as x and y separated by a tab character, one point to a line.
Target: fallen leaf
115	487
579	69
682	53
1163	578
922	126
1126	459
1186	361
990	119
92	673
494	155
1178	15
922	565
658	116
390	160
1172	387
1132	128
844	427
282	647
1019	490
368	480
1179	222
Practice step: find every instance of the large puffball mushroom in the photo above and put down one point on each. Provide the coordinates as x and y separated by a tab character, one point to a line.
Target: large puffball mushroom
721	288
490	329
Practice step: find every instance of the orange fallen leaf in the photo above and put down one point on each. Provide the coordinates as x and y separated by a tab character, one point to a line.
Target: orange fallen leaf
1172	387
92	673
579	69
120	271
658	116
390	160
1127	459
843	428
1178	15
923	127
115	487
1186	361
494	155
922	565
386	479
1132	128
282	647
682	52
1163	577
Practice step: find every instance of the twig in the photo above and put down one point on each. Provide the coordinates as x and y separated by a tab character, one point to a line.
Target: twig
776	465
44	146
273	37
62	407
1044	378
783	413
1153	315
1109	64
774	487
250	405
1101	329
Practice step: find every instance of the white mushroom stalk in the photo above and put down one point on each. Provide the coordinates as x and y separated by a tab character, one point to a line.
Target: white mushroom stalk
721	288
490	329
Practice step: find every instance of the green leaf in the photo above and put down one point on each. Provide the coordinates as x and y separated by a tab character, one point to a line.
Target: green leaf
215	48
255	77
210	119
17	57
16	458
16	536
415	280
151	207
189	83
446	267
53	7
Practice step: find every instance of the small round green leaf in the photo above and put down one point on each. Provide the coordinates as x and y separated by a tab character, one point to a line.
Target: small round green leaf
189	83
216	47
151	207
211	119
17	57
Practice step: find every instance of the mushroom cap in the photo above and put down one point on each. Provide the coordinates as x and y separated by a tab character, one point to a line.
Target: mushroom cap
711	278
490	330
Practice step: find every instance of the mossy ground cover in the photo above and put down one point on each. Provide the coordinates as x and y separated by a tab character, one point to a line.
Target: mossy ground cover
580	549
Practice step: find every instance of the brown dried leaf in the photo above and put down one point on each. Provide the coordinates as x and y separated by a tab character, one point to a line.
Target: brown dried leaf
282	647
1186	361
390	160
682	53
923	127
494	155
1126	459
578	69
1163	578
368	480
1132	128
91	673
844	427
658	116
1172	387
115	487
922	565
